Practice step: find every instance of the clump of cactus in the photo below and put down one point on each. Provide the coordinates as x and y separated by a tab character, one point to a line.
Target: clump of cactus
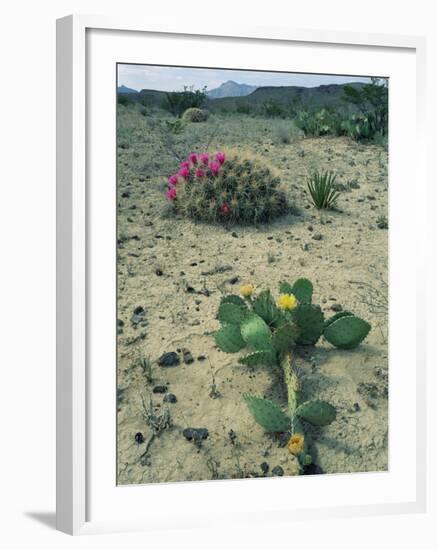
194	114
271	329
226	188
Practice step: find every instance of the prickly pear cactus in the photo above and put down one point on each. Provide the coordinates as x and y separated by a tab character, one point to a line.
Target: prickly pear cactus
317	413
309	318
255	332
347	332
303	290
263	357
229	339
272	330
267	414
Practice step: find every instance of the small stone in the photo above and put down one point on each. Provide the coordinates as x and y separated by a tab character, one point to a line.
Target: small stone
201	358
159	272
234	235
188	358
317	237
159	389
196	434
356	407
264	467
139	438
138	315
234	280
169	359
278	471
170	398
337	308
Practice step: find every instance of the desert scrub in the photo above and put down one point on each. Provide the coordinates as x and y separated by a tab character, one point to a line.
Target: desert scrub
226	188
193	114
271	329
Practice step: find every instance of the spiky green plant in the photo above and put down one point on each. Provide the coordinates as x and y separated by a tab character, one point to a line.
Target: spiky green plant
194	114
323	191
227	188
271	330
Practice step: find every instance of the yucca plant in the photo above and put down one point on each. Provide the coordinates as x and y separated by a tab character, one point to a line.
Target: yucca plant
323	190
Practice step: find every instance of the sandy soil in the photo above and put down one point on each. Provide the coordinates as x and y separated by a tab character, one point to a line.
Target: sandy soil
177	271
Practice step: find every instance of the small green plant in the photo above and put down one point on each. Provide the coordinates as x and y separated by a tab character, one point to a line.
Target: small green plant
194	114
284	133
226	188
271	330
178	102
323	190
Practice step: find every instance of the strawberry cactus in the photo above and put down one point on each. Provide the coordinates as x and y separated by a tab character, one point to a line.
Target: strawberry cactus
226	188
271	330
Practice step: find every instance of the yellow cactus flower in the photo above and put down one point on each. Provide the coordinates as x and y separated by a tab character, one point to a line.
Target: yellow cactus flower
287	301
247	290
296	444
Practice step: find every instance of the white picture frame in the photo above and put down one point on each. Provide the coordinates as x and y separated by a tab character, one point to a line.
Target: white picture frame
74	286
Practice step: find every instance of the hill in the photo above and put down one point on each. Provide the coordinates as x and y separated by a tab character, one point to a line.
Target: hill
231	89
125	90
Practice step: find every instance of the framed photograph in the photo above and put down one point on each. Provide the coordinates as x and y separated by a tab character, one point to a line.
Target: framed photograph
239	313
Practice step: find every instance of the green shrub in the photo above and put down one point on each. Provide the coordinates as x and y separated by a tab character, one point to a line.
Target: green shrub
178	102
323	189
243	109
272	109
194	114
232	188
124	99
284	133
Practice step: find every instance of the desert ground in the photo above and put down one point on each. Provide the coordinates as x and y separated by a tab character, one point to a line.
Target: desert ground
172	273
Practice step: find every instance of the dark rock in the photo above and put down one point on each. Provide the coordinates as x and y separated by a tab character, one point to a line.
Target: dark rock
234	235
264	467
317	237
234	280
125	194
170	398
195	434
337	308
169	359
188	358
138	316
159	272
278	471
159	389
201	358
139	438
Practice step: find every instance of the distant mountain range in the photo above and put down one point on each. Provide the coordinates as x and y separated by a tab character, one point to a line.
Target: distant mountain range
230	89
125	90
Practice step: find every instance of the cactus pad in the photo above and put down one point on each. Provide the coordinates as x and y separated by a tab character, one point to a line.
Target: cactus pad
234	299
347	332
317	413
338	315
255	332
265	307
263	357
285	336
309	318
232	314
267	414
303	290
285	288
229	339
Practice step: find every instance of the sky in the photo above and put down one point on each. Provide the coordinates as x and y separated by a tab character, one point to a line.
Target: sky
168	79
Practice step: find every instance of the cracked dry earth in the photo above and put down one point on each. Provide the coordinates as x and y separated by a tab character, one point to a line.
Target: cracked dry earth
172	273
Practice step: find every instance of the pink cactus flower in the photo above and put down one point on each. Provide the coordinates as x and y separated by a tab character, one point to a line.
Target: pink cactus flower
193	158
204	158
185	164
224	208
173	180
171	194
200	173
221	157
214	167
184	172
